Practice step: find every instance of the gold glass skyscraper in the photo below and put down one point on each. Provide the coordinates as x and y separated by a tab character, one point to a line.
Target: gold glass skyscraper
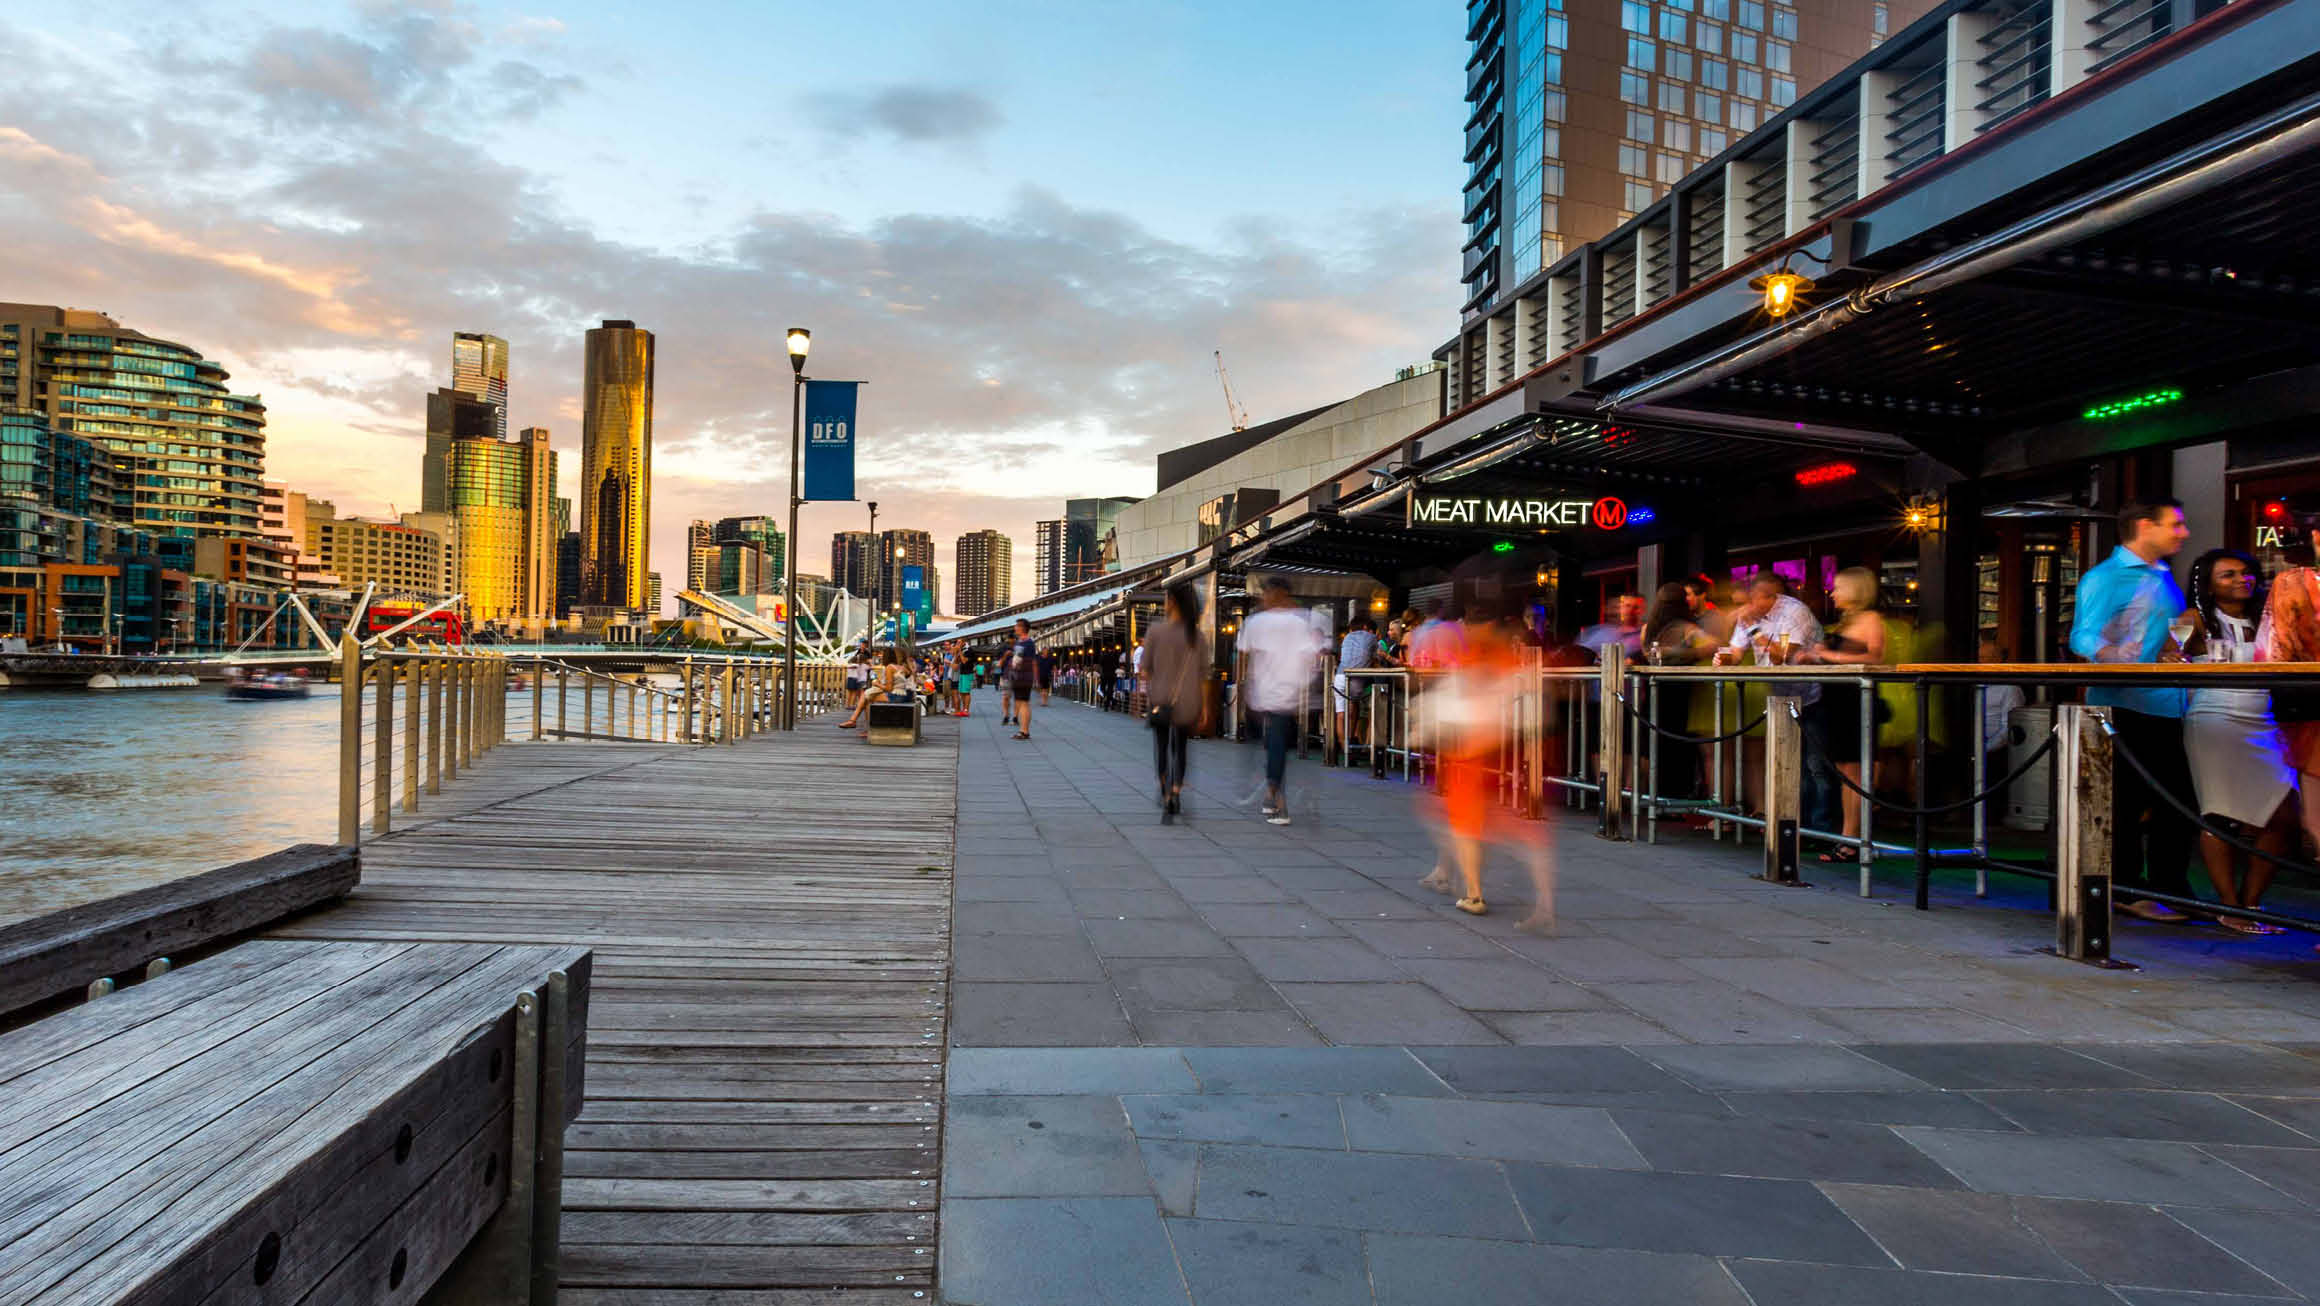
479	367
499	498
616	468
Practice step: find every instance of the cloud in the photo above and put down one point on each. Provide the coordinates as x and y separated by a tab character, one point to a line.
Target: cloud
913	115
305	207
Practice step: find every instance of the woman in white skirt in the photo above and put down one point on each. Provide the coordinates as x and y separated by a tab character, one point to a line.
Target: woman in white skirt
2238	762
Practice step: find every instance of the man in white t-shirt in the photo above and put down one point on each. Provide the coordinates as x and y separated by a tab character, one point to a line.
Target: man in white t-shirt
1280	652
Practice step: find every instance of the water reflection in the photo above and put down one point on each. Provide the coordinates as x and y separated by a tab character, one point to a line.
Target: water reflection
104	792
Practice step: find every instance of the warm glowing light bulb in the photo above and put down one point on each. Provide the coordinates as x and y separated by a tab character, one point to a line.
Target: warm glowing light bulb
800	340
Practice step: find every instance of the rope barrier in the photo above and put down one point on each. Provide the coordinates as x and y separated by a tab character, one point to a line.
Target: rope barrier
1665	733
1911	809
2119	747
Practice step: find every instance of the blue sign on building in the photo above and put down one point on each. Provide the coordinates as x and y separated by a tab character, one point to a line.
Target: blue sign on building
829	440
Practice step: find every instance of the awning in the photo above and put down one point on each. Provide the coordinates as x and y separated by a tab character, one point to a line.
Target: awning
1071	607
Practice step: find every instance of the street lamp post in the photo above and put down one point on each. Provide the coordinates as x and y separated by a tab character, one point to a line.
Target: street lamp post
800	340
870	556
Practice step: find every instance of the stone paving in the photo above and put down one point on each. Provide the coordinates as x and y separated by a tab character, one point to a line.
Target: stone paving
1217	1061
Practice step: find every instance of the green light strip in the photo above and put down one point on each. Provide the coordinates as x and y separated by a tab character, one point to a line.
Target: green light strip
2121	407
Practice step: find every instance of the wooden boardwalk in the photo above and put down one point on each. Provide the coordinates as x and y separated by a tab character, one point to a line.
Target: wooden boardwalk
771	924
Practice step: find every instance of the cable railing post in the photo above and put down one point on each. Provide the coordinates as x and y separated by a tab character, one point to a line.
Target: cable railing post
732	714
467	713
685	716
383	748
434	725
451	758
1783	789
1981	781
539	675
1867	851
2084	755
350	678
587	705
1610	739
415	679
1651	762
1924	693
563	702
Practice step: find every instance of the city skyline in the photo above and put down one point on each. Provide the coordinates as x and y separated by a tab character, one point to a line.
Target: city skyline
381	178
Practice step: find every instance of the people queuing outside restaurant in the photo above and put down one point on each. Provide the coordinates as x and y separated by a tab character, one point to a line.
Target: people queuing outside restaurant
1856	639
1178	660
1773	627
2127	608
1354	653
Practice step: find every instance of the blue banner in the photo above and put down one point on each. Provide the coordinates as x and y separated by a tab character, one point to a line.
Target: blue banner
915	599
829	455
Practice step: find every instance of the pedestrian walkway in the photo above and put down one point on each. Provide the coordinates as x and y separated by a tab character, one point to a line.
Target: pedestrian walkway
1217	1061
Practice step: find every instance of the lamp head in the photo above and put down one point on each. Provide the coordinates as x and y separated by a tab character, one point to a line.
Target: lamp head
800	340
1780	290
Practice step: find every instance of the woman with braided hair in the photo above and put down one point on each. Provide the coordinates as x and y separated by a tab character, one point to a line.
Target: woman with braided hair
2239	764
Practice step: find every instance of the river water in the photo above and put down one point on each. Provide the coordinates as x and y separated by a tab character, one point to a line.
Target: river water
108	791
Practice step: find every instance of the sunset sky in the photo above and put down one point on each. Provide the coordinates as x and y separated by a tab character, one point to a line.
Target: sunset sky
1024	225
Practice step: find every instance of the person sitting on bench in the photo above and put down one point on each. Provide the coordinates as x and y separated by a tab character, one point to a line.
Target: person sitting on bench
886	686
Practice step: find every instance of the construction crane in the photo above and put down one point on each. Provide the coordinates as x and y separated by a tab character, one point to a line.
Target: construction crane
1237	415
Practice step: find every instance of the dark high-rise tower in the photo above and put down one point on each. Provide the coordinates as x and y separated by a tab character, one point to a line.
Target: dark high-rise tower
616	468
986	562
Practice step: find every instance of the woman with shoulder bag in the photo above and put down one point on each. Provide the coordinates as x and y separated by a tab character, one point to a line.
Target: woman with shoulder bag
1173	660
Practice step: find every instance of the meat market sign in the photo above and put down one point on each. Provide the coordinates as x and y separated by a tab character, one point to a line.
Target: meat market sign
1605	514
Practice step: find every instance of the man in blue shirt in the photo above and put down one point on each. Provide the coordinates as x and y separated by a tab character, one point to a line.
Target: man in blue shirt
2125	605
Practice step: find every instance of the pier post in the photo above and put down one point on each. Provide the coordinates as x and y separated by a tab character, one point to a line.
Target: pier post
587	706
685	723
349	740
1611	740
2084	758
417	677
539	674
563	703
383	750
449	670
434	673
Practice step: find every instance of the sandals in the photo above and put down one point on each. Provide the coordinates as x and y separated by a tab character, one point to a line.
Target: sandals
1437	881
1474	906
1022	734
2242	925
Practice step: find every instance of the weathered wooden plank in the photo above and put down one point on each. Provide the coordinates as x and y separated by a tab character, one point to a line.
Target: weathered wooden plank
831	1163
42	956
749	1228
711	1267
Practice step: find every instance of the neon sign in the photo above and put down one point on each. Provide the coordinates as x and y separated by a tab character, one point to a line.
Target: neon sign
1825	473
2122	407
1608	513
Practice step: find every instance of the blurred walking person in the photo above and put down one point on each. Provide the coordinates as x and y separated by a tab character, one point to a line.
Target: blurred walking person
1465	709
1177	662
1022	672
1280	655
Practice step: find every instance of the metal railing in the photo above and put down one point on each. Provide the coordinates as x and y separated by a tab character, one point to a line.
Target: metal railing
1600	737
435	711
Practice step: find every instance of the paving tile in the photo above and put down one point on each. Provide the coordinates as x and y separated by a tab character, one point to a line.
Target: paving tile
1943	1110
1435	939
2112	1169
1349	1190
1952	1232
1312	1070
1316	960
2223	1067
1384	1013
1049	1070
1077	1146
1365	904
1272	1119
1512	1131
1710	1215
1319	875
2286	1247
1813	1150
1500	983
1202	892
1545	1070
1413	1270
2140	1113
1024	957
1804	982
1688	939
1708	1012
1014	918
996	1014
1574	1028
1265	920
1743	1068
2135	1245
2292	1171
1832	1285
1174	1169
1281	1028
1187	938
1132	904
1058	1252
1044	889
2301	1114
1194	984
1234	1264
1591	960
1981	1065
1922	1025
2165	1297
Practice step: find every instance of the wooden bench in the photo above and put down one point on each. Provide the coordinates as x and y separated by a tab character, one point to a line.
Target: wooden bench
61	951
291	1121
892	724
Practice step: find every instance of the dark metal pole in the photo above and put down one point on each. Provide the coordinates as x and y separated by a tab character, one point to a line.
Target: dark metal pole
797	393
1924	858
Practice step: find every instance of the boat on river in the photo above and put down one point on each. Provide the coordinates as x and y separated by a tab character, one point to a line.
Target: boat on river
273	685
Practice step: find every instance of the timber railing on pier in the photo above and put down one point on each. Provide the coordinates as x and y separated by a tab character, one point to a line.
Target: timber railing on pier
435	711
